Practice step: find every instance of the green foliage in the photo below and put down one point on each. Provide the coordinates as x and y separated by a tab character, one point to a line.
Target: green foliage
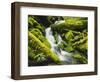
75	23
40	57
30	53
37	33
80	58
36	44
35	51
34	24
66	47
74	34
56	37
69	48
69	35
81	44
71	23
35	56
59	27
73	31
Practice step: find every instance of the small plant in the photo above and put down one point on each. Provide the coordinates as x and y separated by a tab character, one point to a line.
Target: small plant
40	58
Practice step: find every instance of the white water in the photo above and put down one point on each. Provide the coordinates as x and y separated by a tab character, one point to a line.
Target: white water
63	55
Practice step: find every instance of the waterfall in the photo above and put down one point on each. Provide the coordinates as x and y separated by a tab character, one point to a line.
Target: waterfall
63	55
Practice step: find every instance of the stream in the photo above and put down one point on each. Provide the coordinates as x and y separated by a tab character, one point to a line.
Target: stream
64	56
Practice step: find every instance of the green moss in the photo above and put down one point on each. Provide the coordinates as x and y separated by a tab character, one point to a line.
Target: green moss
80	58
35	56
81	45
40	57
56	37
69	48
71	23
35	43
75	23
59	27
73	31
32	23
30	53
66	47
69	35
37	33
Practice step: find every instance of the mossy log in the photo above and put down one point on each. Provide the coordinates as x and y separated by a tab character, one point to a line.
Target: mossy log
37	33
35	43
71	24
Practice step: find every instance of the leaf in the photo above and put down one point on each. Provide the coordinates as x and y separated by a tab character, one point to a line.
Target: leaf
80	58
69	35
40	57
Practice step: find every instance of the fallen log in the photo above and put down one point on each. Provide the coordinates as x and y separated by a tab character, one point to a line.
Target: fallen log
34	42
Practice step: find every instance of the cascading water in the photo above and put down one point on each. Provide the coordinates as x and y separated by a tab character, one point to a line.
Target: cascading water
63	55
